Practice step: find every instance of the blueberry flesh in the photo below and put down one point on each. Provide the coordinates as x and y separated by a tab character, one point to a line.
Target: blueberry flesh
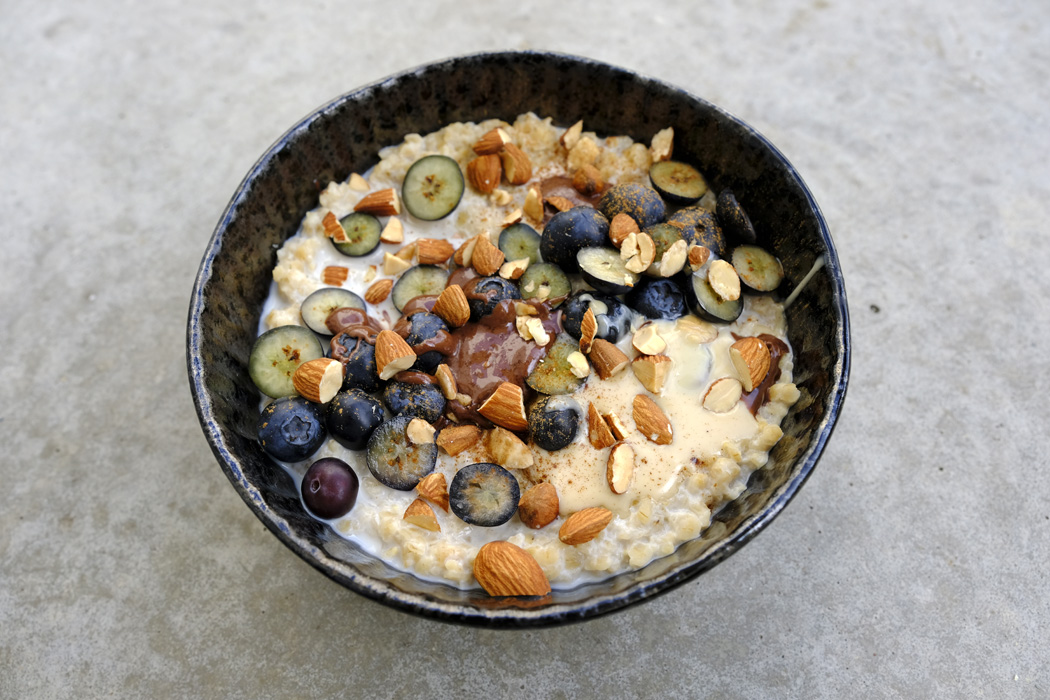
291	429
359	362
330	488
484	494
613	323
553	422
570	231
658	298
420	400
641	203
351	416
485	293
425	326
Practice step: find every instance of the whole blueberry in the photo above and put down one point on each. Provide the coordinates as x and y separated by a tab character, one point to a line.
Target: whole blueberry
485	293
613	318
553	421
329	488
570	231
641	202
359	362
658	298
351	416
291	428
421	400
425	326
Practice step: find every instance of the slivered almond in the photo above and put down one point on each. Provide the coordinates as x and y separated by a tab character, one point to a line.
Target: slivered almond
358	183
434	251
487	258
620	227
419	432
446	381
587	180
723	395
598	433
652	371
571	135
517	168
485	172
335	275
393	232
393	265
333	229
421	514
507	449
379	291
560	203
506	407
662	145
491	142
434	488
393	354
696	256
651	421
380	203
608	360
533	207
616	426
452	306
539	505
456	438
588	327
751	360
619	468
584	525
505	569
318	380
465	251
647	340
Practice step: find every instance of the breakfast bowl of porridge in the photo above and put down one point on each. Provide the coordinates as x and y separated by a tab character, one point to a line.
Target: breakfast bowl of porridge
518	339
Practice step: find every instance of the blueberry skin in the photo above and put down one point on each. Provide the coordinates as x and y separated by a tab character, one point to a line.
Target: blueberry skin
421	400
612	325
424	326
329	488
641	203
484	494
554	421
351	416
658	298
291	428
359	363
496	289
570	231
700	227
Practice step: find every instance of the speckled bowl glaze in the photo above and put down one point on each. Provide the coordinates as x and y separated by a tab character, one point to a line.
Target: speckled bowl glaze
345	136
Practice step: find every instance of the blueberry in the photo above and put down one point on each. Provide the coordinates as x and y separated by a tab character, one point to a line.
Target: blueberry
485	293
700	227
359	362
484	494
553	421
658	298
421	400
395	460
568	232
426	326
291	429
351	416
329	488
612	316
640	202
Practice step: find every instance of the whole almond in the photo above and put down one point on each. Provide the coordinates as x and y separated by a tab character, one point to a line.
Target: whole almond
318	380
491	142
452	306
393	354
751	360
434	251
487	258
505	569
587	180
517	168
485	172
379	291
584	525
539	505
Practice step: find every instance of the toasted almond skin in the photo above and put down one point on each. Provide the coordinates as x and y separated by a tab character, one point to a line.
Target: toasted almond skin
652	422
379	291
697	255
434	251
487	258
584	525
335	275
380	203
560	203
506	407
598	433
619	469
587	180
505	569
588	327
434	488
517	168
485	172
452	306
420	513
393	354
652	371
751	359
491	142
456	438
620	227
318	380
619	430
723	395
608	360
539	505
333	229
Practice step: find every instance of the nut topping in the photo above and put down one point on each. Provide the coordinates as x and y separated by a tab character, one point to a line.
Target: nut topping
662	145
572	135
334	275
393	354
619	469
380	203
505	569
517	168
652	422
433	251
507	449
584	525
491	142
379	291
588	327
452	306
588	180
506	406
608	359
419	432
318	380
539	505
598	433
751	361
484	173
533	207
393	232
446	381
647	340
421	514
487	258
358	183
333	229
454	439
723	395
434	488
652	371
724	280
620	227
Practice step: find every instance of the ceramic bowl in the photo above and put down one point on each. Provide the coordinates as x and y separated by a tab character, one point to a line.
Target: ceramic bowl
344	136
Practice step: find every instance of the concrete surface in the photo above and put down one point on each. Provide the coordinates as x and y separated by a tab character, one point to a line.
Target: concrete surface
913	563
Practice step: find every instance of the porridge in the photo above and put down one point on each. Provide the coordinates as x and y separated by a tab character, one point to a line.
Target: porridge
517	355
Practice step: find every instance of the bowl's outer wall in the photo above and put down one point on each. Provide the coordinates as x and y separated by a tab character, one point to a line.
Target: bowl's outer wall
344	137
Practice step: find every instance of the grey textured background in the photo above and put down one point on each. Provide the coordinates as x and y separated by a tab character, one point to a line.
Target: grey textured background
913	563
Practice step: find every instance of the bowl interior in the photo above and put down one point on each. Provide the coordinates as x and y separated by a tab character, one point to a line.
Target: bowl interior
345	136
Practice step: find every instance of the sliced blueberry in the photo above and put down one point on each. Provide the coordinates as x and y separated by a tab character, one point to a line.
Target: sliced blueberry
291	429
569	231
641	203
484	494
425	326
553	421
612	316
395	460
519	241
485	293
351	416
420	400
330	488
359	362
657	298
544	281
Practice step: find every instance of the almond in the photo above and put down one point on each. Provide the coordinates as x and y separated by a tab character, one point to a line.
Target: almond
584	525
608	360
487	258
408	251
454	439
696	256
652	422
393	232
662	145
434	488
511	218
514	269
646	253
380	203
465	252
673	259
500	198
619	430
379	291
584	152
505	407
505	569
333	229
619	469
517	168
560	203
620	227
647	340
588	327
536	331
420	513
598	433
358	183
370	273
751	361
696	330
507	450
572	135
491	142
578	364
434	251
452	306
393	354
723	395
539	505
393	265
652	371
587	180
724	280
533	207
335	275
484	173
319	380
419	432
446	381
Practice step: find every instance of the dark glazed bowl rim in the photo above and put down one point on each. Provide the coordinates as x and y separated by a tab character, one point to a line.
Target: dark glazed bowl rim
508	617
